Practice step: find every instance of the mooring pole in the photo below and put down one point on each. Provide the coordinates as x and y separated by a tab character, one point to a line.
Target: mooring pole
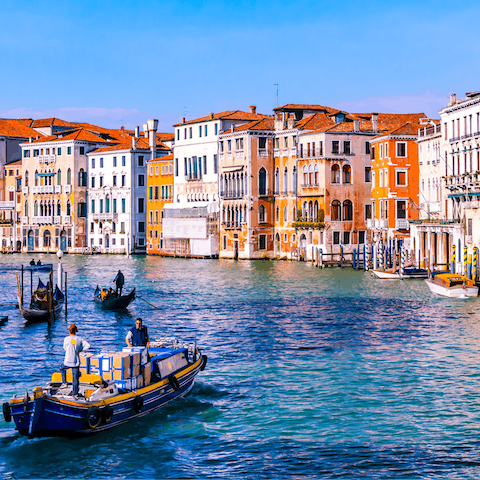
22	286
31	283
66	295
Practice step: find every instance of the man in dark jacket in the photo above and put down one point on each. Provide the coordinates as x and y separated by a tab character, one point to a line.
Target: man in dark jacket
119	281
138	335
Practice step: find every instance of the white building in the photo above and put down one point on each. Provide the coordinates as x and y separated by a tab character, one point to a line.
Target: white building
117	192
190	226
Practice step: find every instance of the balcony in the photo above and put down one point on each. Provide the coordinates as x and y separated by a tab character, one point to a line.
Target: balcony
239	154
68	189
57	219
370	223
402	224
45	220
265	192
284	152
309	185
276	152
46	158
42	189
67	220
381	223
25	190
232	194
57	189
24	220
429	131
105	216
7	205
293	151
431	207
262	152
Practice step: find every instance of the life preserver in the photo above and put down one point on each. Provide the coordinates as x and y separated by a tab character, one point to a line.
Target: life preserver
107	413
93	417
204	363
172	379
138	404
7	412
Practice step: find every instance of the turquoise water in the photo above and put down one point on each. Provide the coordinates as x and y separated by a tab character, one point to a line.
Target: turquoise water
311	373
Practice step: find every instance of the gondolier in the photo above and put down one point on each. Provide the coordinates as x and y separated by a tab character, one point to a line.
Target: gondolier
119	281
138	335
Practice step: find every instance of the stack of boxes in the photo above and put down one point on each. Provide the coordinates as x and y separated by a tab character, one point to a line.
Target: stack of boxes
130	369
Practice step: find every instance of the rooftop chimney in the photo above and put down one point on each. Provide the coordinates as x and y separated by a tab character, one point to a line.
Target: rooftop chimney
137	131
30	140
375	122
152	136
134	143
232	128
183	119
356	125
253	109
453	99
211	115
145	130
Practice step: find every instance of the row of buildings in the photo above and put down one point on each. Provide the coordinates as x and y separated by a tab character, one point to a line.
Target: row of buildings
241	184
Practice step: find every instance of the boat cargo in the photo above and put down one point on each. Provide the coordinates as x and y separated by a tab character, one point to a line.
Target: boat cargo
452	285
115	387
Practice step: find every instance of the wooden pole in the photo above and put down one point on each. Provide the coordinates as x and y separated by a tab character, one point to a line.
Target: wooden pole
50	298
31	284
22	286
66	295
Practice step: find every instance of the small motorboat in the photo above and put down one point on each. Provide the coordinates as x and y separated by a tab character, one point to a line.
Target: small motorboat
452	285
103	403
110	300
409	272
43	267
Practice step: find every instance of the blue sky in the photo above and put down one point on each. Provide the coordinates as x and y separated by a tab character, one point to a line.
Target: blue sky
118	63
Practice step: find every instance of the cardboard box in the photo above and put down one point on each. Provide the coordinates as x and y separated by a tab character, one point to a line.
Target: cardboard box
136	371
141	351
122	374
85	360
107	375
139	382
147	374
124	384
84	371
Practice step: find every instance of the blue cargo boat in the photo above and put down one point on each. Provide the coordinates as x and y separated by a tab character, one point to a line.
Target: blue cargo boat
101	405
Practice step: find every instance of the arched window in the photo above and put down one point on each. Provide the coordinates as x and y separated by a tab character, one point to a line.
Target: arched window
315	211
285	215
305	175
347	210
69	177
285	181
26	209
36	178
35	209
310	174
46	238
68	209
107	204
222	186
277	214
315	175
294	180
59	177
310	211
277	181
26	178
82	178
224	218
336	211
305	211
335	174
262	214
262	181
59	208
347	174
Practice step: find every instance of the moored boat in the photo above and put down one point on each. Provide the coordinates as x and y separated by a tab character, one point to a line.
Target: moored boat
408	272
113	301
452	285
103	404
43	267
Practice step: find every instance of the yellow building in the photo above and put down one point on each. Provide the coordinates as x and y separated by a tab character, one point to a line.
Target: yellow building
160	192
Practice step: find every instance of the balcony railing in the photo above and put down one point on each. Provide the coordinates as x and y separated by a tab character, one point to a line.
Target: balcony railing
25	220
310	185
67	220
105	216
7	205
381	223
43	189
370	223
402	224
57	219
265	192
45	220
276	152
293	151
232	194
57	189
68	189
262	152
46	158
25	190
239	154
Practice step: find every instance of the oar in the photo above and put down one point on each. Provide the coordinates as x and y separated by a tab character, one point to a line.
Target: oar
138	296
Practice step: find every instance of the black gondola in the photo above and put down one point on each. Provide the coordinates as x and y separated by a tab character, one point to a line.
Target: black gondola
112	300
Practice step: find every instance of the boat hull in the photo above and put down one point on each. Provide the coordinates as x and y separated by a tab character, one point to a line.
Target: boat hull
51	416
118	303
457	291
409	273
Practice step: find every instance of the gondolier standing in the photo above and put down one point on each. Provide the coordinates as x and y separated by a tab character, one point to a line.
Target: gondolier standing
138	335
119	281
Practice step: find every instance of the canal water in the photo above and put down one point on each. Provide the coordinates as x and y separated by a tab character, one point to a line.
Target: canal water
311	373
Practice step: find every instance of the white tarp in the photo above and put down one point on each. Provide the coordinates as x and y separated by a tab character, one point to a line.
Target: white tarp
184	227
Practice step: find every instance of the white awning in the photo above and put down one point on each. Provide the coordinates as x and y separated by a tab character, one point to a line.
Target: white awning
233	168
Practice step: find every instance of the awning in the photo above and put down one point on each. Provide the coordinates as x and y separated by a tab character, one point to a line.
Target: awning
457	195
233	168
46	174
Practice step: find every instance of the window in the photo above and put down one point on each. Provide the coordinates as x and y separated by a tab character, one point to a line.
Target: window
386	177
368	211
141	228
101	182
69	150
373	180
141	181
178	134
380	180
114	161
93	206
114	205
224	247
123	180
82	209
101	162
156	192
336	238
346	238
176	167
82	178
401	178
401	149
123	206
69	177
150	193
82	150
114	180
346	148
262	181
336	213
141	204
190	131
101	205
386	150
216	128
347	210
204	164
123	161
401	209
262	215
215	164
93	163
140	161
26	153
335	146
205	129
367	148
361	237
335	174
262	242
122	227
347	174
200	131
381	151
92	227
368	174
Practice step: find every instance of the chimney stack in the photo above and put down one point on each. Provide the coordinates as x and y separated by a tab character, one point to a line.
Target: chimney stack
253	109
152	136
211	115
232	128
356	125
134	143
453	99
137	131
375	122
145	130
183	119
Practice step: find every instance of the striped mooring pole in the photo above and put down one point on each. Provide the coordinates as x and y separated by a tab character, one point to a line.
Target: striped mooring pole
469	267
465	259
475	260
365	257
402	262
452	260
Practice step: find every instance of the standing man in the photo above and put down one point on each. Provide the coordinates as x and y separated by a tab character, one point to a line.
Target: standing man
138	335
119	281
73	345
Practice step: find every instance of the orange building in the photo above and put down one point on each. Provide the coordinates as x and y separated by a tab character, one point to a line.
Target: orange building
160	192
395	179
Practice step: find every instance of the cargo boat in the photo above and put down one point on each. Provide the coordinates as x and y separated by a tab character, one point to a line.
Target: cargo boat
452	285
101	404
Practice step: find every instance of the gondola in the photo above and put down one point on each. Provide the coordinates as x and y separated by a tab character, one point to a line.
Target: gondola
113	301
38	308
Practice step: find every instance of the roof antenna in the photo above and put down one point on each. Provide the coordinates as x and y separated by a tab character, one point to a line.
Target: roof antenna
276	85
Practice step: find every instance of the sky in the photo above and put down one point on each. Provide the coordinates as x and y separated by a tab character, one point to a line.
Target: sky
117	63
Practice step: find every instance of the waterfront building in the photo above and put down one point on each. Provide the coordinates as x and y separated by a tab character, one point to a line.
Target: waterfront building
160	192
190	226
11	208
54	188
117	191
246	197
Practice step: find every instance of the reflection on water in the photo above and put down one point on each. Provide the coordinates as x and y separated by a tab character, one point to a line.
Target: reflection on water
318	373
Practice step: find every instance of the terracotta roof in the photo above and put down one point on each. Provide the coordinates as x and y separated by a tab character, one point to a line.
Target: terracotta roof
314	122
14	163
50	122
77	134
165	137
405	129
25	121
162	159
142	144
263	124
302	106
226	115
10	127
